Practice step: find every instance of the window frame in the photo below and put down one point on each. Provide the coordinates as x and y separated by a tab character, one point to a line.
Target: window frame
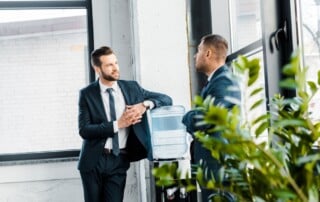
84	4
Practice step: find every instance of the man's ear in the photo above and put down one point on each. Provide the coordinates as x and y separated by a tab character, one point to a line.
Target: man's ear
97	69
208	53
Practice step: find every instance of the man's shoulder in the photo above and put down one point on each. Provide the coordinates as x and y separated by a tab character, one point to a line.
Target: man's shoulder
224	70
90	86
127	82
225	78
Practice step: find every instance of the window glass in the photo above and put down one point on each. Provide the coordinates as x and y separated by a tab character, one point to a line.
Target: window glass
247	101
310	23
262	109
245	26
245	23
43	64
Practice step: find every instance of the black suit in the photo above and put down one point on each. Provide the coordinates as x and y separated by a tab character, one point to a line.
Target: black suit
94	128
217	88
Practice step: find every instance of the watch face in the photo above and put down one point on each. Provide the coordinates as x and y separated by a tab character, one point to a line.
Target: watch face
146	104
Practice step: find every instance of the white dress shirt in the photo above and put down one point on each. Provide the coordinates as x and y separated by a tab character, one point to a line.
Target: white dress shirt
120	106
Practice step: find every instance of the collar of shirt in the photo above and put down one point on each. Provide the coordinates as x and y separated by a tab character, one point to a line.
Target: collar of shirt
212	73
210	76
103	87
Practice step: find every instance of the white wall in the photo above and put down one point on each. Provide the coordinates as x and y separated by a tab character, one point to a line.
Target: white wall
160	50
221	24
112	27
36	181
161	47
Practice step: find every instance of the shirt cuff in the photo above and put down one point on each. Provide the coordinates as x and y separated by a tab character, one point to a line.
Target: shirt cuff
115	127
149	103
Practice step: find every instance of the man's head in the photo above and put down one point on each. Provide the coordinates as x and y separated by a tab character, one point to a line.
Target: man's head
105	64
212	53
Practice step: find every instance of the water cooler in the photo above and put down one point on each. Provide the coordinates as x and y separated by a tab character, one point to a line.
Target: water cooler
170	144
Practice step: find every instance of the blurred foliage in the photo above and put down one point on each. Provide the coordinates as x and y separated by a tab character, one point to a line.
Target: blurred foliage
284	168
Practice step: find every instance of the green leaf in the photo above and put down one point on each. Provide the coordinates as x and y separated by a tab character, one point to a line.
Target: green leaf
190	187
262	127
319	77
216	115
260	118
288	83
256	91
253	76
307	159
198	100
256	104
199	176
242	61
291	122
289	70
233	100
210	184
208	101
240	69
312	86
284	194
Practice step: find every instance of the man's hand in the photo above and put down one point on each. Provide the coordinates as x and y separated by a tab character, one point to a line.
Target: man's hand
132	115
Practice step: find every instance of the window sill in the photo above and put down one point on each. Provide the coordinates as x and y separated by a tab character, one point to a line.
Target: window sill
38	170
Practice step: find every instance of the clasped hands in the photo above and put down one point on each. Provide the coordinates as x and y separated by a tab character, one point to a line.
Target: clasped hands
132	115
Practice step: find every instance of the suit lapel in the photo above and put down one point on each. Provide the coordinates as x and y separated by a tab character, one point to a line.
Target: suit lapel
96	96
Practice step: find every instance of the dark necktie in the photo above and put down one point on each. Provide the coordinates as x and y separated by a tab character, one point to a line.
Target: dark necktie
115	139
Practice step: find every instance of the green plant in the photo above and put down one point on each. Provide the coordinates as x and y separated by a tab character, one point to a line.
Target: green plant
283	169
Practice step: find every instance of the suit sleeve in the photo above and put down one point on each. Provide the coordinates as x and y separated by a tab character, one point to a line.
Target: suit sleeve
189	121
217	90
88	129
158	99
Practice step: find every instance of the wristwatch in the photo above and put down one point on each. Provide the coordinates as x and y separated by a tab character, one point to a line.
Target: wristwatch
146	104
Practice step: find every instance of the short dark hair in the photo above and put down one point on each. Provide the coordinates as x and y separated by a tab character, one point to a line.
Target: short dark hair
219	43
96	54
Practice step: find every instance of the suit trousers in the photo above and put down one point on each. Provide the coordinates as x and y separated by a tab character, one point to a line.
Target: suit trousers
106	182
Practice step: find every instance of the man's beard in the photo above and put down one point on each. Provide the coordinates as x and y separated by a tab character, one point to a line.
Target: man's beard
109	77
200	67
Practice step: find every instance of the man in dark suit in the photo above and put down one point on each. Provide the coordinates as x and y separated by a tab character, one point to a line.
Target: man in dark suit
210	60
114	128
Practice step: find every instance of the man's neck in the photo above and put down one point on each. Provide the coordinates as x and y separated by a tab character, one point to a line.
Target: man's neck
107	83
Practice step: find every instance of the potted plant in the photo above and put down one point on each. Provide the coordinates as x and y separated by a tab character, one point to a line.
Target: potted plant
285	168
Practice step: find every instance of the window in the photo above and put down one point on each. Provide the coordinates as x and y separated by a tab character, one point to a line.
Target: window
245	23
43	64
246	37
255	113
310	26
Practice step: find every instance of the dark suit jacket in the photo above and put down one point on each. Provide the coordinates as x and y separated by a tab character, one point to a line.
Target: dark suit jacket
217	88
94	127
